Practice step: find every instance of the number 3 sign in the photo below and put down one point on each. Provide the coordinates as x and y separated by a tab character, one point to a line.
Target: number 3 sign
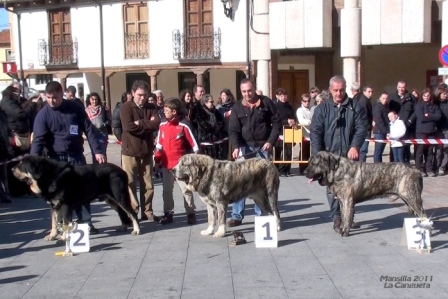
265	232
79	238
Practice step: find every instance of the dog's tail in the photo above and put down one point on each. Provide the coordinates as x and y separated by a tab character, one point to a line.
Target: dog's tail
134	202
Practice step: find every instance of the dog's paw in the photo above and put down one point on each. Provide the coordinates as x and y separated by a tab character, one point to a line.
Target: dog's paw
344	232
208	231
135	232
219	234
50	237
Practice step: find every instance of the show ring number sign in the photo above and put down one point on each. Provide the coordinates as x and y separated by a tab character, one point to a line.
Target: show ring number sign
79	238
416	234
266	232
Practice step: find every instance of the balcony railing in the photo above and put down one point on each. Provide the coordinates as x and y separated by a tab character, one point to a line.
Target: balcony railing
193	46
58	53
136	45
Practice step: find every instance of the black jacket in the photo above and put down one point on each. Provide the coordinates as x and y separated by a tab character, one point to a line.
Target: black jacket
427	124
380	118
256	126
336	129
6	150
367	104
116	121
210	129
404	106
443	123
285	112
18	118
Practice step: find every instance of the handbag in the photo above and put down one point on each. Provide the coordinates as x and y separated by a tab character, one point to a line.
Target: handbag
21	141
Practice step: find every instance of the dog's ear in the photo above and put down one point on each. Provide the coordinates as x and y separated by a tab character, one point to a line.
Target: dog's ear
332	162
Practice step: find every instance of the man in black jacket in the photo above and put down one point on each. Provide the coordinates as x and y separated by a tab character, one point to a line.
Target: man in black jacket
254	127
338	126
381	129
403	103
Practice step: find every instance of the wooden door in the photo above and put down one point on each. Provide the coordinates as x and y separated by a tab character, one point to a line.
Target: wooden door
198	28
295	83
61	44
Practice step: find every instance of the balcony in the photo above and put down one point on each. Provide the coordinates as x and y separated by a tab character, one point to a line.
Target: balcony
202	46
136	46
58	53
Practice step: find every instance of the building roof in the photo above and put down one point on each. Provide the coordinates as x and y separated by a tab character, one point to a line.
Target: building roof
5	37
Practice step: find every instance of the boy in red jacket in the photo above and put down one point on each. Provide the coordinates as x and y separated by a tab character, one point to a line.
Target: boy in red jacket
174	140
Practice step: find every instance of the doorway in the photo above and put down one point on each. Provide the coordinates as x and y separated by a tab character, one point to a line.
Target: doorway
295	83
132	77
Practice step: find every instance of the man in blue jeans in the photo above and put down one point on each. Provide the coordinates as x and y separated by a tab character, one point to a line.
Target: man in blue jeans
58	130
254	127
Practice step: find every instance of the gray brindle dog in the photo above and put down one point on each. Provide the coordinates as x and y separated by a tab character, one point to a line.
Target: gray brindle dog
354	182
220	183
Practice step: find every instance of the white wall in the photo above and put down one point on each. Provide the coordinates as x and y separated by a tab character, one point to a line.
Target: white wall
164	17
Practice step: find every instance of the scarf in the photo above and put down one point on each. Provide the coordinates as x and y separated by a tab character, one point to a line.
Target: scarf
94	112
212	116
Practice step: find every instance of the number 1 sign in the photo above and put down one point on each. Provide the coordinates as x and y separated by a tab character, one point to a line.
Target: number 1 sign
266	232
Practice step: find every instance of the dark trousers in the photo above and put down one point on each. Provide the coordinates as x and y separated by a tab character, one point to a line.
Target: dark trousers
287	156
379	148
424	157
76	160
364	149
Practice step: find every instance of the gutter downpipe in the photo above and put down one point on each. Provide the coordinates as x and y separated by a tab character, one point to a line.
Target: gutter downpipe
19	29
103	70
248	62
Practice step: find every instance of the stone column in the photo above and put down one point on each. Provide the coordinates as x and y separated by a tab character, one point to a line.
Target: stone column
199	72
63	80
444	23
153	75
260	45
350	42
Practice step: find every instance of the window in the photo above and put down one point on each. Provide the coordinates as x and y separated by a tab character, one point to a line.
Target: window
8	54
61	47
44	78
136	34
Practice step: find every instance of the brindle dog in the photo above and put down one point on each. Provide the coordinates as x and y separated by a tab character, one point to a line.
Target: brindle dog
354	182
220	183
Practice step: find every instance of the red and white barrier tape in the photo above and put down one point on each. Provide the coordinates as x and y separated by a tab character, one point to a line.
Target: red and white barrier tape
413	141
18	158
111	141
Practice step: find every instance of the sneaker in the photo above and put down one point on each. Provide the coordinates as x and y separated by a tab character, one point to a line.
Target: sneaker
424	174
432	174
150	217
93	230
234	222
167	218
191	218
441	172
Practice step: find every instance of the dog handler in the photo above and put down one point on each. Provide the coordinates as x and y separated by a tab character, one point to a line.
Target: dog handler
58	129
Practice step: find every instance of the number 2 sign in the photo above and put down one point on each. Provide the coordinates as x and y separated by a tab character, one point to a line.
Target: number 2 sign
266	232
79	238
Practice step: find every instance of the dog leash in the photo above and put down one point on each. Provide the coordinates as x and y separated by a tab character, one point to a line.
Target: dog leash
18	158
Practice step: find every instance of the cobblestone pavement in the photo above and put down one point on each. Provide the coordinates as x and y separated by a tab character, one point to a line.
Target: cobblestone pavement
175	261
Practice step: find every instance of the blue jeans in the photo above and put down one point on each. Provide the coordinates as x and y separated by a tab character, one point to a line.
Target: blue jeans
398	153
379	148
82	212
239	206
364	149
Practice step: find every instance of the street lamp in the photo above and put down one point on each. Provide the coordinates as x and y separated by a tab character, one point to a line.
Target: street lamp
228	8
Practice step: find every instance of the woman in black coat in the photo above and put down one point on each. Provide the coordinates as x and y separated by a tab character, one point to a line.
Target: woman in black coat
427	114
210	129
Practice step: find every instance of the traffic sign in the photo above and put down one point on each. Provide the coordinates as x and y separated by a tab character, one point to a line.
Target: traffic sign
443	55
443	71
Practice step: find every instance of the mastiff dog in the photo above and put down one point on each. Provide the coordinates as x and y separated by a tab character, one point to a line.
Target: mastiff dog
354	182
66	187
220	183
